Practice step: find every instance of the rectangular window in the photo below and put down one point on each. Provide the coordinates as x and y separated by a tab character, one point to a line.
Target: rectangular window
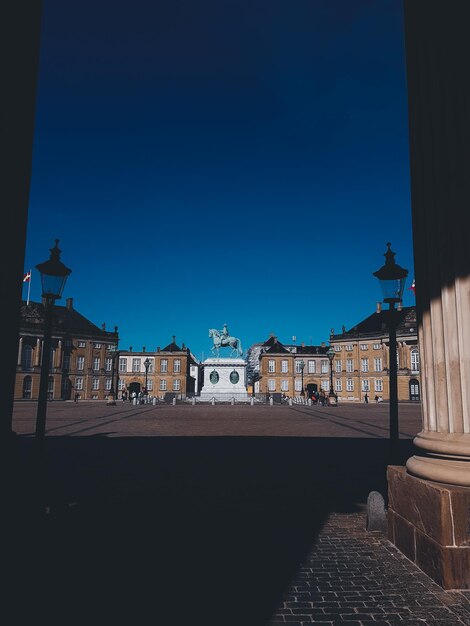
415	360
150	385
365	385
66	364
284	366
164	365
151	367
349	347
176	384
95	384
338	366
136	365
163	385
311	367
96	363
284	385
97	345
81	344
79	384
109	364
298	369
80	362
271	366
298	385
337	348
123	365
272	385
349	365
324	367
121	384
107	384
364	365
339	384
378	385
378	365
325	385
364	346
349	385
376	346
177	366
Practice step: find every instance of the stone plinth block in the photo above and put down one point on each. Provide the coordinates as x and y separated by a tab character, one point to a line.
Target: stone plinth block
224	379
430	523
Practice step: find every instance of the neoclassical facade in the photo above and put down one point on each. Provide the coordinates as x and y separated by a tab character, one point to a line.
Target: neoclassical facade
277	368
81	362
171	372
361	362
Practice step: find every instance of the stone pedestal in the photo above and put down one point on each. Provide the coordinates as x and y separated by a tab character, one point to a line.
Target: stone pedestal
430	523
224	380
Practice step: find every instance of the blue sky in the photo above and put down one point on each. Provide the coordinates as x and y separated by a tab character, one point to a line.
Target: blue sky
238	161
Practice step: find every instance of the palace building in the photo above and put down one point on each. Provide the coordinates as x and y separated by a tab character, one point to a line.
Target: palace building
288	369
81	360
361	363
171	372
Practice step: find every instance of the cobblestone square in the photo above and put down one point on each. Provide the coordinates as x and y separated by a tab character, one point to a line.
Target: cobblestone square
211	515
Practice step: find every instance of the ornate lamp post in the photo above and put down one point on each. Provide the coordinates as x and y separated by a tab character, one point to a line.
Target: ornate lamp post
146	365
392	279
331	396
302	365
54	275
112	393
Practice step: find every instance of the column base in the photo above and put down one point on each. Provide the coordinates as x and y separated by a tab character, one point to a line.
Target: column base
430	523
445	458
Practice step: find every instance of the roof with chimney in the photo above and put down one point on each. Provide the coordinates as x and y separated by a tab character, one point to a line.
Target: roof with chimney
65	321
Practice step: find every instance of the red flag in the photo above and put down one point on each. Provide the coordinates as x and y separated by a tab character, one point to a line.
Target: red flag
27	277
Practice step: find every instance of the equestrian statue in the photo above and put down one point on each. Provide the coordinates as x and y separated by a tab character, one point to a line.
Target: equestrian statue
222	339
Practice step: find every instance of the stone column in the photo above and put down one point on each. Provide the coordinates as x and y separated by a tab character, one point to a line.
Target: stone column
429	502
437	51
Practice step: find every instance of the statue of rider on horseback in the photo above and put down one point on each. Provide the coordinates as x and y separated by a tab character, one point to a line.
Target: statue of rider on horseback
222	339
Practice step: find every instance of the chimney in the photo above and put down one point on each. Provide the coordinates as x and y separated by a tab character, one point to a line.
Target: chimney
183	347
115	329
130	348
143	348
303	344
158	348
69	304
323	344
103	326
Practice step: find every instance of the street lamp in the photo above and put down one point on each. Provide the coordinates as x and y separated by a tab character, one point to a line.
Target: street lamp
54	275
331	396
392	279
302	365
146	365
112	394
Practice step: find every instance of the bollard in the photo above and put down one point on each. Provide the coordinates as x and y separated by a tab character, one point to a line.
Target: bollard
154	400
193	400
134	401
232	401
174	401
213	401
252	401
271	402
309	402
290	401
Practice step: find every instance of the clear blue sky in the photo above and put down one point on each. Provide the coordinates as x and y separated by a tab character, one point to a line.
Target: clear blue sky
238	161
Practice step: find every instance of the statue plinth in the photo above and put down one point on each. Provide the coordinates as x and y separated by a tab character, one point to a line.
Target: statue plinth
224	379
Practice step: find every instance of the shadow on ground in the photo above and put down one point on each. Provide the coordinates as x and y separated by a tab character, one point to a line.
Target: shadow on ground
175	531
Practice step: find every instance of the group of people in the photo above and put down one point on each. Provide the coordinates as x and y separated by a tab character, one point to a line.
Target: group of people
131	396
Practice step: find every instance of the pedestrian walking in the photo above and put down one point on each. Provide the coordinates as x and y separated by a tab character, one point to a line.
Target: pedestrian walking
366	399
